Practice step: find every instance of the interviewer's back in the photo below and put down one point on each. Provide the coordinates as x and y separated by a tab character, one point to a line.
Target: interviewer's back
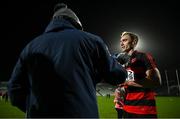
56	73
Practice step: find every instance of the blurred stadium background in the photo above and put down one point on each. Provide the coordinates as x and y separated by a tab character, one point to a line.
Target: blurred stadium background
168	98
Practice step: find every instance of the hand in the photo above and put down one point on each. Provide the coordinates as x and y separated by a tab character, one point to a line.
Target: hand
132	83
116	101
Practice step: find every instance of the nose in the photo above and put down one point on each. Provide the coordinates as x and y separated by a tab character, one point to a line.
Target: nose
121	43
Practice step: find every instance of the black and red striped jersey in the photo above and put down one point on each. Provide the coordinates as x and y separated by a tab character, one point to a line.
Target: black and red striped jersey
139	100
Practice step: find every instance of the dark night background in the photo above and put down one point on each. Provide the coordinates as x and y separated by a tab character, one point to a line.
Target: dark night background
156	22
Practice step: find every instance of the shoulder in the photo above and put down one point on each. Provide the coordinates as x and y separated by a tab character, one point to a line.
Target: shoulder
141	54
92	36
92	39
147	58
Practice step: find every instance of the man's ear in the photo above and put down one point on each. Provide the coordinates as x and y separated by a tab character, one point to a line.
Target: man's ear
134	42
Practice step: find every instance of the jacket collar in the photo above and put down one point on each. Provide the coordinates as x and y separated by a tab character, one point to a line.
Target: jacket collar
58	24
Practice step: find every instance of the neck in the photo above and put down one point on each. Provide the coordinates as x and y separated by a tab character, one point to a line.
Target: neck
130	52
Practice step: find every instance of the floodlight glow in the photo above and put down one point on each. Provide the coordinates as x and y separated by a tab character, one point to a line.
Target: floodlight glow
140	45
144	43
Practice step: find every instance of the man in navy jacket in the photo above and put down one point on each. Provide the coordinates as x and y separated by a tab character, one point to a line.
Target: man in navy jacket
56	73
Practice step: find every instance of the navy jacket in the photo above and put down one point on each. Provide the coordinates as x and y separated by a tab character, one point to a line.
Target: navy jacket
57	72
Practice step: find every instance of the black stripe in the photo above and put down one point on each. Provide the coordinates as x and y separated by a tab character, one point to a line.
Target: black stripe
139	76
138	89
132	115
140	102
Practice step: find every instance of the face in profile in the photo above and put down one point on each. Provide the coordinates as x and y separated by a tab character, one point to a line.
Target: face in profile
126	43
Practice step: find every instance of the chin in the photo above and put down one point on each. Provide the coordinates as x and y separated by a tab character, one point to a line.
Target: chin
124	51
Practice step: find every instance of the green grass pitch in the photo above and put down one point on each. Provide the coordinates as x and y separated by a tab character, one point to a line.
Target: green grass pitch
168	107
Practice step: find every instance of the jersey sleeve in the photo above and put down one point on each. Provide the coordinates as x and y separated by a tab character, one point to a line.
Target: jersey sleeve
150	62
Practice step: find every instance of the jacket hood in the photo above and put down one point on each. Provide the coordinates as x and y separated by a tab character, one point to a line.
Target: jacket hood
62	10
59	24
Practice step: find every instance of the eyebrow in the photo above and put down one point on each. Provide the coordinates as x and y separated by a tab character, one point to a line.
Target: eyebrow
123	39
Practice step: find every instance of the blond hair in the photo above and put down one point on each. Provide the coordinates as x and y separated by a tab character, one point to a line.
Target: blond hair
132	35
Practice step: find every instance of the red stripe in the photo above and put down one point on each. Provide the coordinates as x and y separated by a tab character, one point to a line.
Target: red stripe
140	95
150	58
140	109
